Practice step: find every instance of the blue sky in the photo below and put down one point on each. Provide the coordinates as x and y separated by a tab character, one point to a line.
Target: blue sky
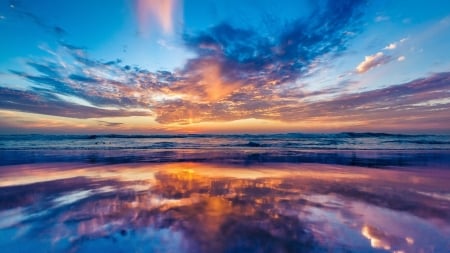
224	66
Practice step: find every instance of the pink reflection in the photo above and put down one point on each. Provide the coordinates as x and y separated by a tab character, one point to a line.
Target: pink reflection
209	208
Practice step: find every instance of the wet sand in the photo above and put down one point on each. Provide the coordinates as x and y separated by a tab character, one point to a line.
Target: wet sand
204	207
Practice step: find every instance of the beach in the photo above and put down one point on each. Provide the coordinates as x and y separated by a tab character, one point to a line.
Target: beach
222	207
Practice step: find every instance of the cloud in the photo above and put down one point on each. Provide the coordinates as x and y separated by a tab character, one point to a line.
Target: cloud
393	96
398	104
245	54
394	102
80	87
394	45
391	46
46	103
165	44
109	124
373	61
155	13
88	88
401	58
381	18
236	74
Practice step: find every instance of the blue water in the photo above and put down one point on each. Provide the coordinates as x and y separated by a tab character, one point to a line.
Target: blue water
340	141
360	149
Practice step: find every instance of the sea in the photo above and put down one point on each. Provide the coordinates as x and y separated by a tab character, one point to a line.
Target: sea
363	149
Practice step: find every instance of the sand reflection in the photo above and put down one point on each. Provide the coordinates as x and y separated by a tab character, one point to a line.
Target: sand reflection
196	207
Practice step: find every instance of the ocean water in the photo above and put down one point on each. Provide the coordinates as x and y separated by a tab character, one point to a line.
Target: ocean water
365	149
347	192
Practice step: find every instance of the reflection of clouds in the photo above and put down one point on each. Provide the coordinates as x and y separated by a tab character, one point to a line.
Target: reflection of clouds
73	197
377	238
356	221
212	208
11	217
380	240
441	196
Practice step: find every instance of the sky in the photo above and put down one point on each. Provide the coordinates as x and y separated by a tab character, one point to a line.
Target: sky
230	66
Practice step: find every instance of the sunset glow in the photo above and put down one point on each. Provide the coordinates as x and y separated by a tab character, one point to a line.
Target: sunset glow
154	66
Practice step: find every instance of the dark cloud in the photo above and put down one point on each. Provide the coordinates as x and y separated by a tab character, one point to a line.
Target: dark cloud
49	104
394	102
414	92
103	84
109	124
246	54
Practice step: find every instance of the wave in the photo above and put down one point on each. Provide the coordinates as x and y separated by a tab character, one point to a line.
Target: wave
431	142
366	158
235	142
232	136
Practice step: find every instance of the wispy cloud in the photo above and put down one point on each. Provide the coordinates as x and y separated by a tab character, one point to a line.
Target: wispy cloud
381	18
41	102
394	45
401	58
391	46
157	13
109	124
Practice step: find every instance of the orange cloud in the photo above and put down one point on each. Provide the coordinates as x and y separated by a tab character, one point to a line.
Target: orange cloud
203	82
160	12
212	82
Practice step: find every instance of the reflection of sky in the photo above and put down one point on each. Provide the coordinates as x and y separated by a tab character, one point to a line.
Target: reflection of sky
191	207
384	228
189	66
